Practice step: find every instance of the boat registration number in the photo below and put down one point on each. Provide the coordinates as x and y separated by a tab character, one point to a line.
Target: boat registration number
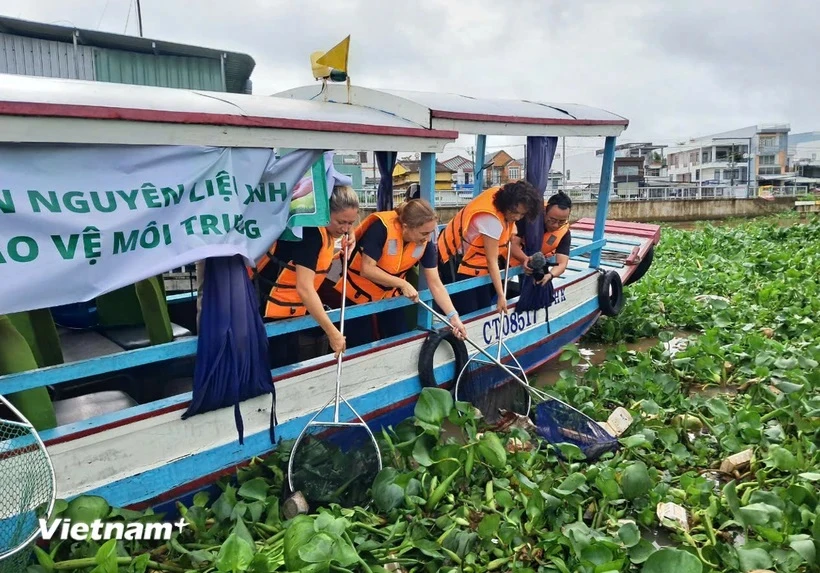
506	325
514	322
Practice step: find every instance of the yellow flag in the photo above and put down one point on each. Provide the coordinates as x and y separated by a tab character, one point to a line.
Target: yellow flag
336	57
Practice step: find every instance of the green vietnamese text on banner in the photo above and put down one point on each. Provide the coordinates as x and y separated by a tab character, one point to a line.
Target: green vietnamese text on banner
77	222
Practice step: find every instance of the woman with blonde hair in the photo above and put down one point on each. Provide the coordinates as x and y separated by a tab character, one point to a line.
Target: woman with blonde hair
294	271
390	243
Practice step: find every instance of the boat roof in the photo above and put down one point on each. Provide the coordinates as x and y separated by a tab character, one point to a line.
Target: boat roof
467	114
238	66
51	110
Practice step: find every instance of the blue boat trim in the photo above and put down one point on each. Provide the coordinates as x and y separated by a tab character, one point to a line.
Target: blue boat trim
181	297
608	246
604	188
617	240
152	483
588	248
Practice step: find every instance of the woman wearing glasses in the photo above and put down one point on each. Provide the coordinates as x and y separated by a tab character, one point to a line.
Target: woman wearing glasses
556	237
479	235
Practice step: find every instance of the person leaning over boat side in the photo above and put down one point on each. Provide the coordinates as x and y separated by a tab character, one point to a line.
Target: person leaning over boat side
390	243
557	237
480	232
295	283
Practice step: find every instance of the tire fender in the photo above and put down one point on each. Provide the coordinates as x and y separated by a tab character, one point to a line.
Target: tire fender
610	293
428	351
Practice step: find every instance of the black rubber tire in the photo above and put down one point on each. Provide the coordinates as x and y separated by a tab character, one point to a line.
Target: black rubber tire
643	266
428	351
610	293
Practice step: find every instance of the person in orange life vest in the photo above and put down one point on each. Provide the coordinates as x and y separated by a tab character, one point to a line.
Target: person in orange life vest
295	270
481	232
390	243
556	240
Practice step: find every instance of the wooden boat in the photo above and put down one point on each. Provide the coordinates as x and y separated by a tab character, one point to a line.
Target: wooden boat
140	452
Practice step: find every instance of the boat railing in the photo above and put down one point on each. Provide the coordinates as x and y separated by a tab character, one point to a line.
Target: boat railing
120	361
185	347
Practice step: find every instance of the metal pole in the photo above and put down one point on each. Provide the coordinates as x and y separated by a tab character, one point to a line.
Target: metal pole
604	188
478	167
76	55
749	171
564	163
139	17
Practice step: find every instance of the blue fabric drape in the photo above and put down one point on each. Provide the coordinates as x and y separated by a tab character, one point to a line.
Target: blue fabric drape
232	349
386	160
540	153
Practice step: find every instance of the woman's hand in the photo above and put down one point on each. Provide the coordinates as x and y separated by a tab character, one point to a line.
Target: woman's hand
459	330
338	343
348	244
501	305
410	292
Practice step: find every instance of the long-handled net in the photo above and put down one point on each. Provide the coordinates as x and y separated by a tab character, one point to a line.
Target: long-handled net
335	461
27	488
555	420
488	387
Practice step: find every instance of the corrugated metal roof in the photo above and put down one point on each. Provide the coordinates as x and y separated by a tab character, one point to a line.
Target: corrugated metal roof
165	71
238	66
459	162
413	166
46	58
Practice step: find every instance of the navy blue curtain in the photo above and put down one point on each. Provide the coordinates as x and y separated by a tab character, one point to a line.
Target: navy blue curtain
540	153
386	160
232	349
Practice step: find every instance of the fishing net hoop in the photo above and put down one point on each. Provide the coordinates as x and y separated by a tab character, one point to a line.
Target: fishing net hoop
336	400
465	377
27	487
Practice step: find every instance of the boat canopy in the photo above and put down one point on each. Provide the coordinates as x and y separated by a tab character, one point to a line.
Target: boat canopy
471	115
49	110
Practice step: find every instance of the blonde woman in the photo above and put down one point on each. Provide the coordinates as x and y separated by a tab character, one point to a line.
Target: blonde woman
294	271
390	243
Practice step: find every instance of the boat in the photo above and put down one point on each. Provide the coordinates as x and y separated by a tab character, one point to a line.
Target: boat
119	397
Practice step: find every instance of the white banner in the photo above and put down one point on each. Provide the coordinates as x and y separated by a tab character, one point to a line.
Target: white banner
77	222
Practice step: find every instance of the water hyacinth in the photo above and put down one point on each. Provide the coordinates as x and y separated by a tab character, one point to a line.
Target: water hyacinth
718	471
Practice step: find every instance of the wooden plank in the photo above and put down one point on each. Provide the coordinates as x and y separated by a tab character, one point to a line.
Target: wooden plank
609	239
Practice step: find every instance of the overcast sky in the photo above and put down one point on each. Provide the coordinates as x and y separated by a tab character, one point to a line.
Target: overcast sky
676	69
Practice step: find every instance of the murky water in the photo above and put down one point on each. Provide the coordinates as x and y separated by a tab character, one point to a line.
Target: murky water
594	353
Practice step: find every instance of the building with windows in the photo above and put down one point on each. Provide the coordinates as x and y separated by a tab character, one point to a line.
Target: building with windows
500	168
804	154
728	158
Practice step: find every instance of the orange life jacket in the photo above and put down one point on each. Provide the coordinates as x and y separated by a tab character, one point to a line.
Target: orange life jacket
397	258
283	301
474	261
552	240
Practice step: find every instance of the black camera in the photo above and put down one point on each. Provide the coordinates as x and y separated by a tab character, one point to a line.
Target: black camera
538	264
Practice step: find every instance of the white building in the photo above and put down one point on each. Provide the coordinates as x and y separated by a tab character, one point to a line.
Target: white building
804	156
804	147
726	159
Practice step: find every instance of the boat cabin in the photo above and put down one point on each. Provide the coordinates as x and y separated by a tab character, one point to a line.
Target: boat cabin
116	360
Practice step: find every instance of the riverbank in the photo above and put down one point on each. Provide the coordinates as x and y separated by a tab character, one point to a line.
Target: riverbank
664	211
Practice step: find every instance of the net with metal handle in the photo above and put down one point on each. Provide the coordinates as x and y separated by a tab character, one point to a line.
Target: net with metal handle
555	420
488	387
335	461
27	488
